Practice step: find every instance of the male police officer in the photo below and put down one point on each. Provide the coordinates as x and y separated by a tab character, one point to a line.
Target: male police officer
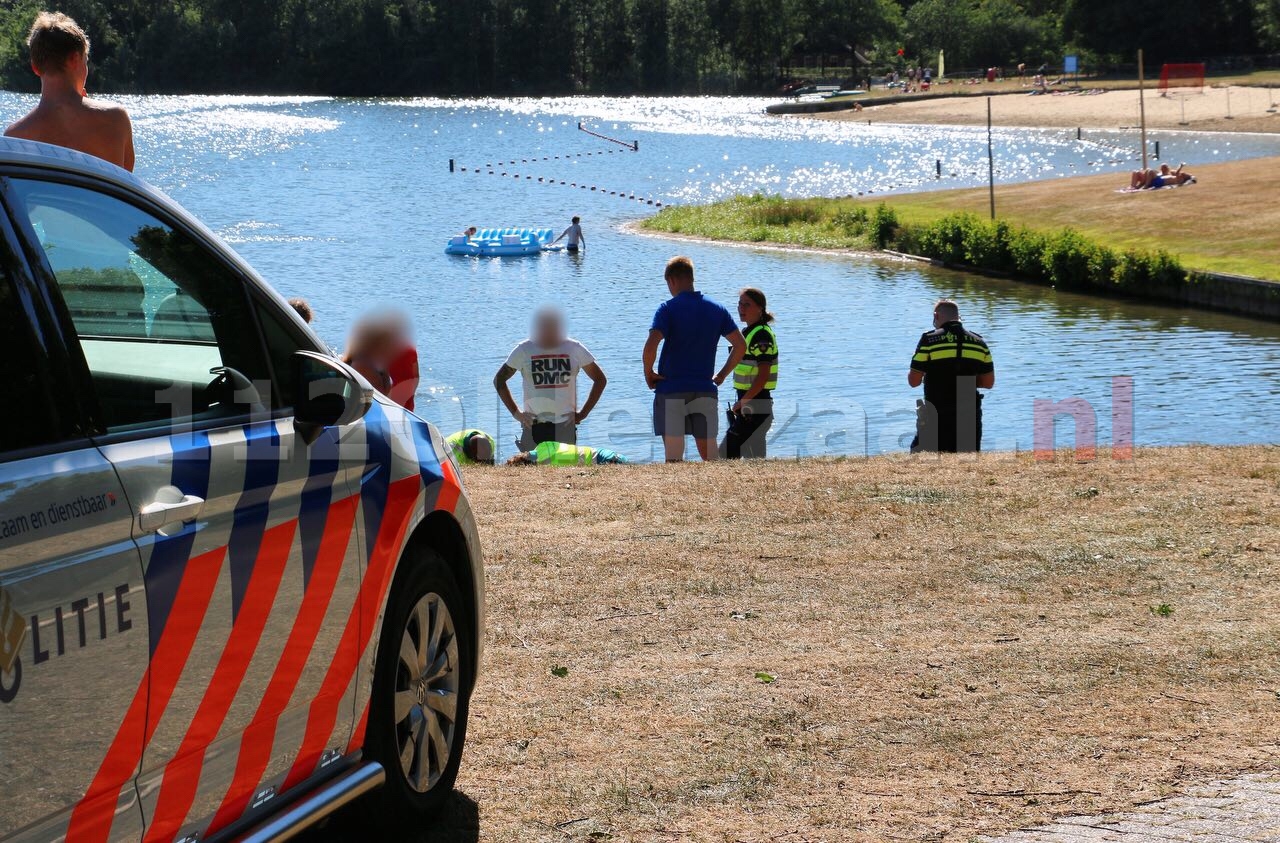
953	364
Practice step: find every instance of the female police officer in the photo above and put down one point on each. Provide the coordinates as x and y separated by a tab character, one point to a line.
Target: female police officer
755	378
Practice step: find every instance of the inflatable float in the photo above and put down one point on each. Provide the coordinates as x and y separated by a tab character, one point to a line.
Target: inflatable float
502	242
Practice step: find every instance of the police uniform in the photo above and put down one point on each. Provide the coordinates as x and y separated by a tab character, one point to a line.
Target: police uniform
950	419
560	453
747	432
457	443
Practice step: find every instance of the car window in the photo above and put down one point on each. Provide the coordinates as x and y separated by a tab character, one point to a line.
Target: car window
31	424
165	326
282	343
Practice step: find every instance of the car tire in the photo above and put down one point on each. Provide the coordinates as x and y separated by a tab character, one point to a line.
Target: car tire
421	693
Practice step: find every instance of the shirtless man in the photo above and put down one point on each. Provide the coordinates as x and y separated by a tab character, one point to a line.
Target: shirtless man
1156	179
65	115
574	233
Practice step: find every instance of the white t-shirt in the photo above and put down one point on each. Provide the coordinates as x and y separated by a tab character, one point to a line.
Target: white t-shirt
550	377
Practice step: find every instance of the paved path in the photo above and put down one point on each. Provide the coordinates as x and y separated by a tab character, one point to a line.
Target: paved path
1240	810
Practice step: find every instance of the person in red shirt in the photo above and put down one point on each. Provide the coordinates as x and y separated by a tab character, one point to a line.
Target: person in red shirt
403	366
381	348
404	375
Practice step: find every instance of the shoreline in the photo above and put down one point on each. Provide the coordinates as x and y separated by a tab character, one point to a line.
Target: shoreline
1219	292
1231	110
1146	251
636	228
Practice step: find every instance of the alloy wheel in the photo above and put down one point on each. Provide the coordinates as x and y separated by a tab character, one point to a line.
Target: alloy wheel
426	696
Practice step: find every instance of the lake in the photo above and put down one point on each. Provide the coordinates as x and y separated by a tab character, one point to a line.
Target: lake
349	203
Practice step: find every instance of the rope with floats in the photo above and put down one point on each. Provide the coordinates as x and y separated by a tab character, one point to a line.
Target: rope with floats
494	169
568	156
634	146
621	194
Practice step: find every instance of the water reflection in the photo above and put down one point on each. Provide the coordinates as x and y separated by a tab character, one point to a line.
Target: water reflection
349	203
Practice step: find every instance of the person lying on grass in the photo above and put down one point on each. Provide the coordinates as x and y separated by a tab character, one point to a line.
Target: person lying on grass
558	453
1163	177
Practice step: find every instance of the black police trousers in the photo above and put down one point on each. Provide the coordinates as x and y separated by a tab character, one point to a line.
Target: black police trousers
745	439
949	428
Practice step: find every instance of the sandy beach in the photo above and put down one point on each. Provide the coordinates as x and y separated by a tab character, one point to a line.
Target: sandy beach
1227	109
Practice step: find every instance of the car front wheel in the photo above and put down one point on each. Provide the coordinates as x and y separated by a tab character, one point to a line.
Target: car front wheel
421	692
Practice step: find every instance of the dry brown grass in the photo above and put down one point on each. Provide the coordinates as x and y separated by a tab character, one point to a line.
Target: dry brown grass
959	647
1228	222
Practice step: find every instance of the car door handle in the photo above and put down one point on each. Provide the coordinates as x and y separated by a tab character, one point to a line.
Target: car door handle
171	506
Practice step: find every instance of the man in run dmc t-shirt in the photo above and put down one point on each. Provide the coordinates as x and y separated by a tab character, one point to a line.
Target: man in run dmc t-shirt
549	362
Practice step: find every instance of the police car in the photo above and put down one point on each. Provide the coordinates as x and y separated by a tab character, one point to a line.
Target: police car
238	588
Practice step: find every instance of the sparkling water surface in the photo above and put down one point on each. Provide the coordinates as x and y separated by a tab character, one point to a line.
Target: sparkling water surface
349	203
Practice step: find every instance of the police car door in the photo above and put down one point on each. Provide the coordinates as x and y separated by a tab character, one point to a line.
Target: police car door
73	622
247	534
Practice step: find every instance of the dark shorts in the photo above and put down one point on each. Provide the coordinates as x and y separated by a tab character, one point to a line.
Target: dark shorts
571	248
565	433
695	414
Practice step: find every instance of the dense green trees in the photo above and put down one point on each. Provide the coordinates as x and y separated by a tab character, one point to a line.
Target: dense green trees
1172	30
986	33
605	46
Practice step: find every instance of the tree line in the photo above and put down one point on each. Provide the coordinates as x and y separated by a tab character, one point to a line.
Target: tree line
466	47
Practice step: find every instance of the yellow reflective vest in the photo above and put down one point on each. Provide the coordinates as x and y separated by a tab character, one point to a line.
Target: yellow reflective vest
457	443
762	350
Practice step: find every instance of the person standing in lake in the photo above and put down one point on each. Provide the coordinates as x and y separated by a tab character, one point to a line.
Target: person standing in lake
549	362
65	116
953	363
754	378
574	241
688	327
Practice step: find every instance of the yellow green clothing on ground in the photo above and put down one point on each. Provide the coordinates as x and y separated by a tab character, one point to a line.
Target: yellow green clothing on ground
558	453
457	443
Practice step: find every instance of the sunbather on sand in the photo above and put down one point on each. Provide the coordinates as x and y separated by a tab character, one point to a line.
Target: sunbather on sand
1163	177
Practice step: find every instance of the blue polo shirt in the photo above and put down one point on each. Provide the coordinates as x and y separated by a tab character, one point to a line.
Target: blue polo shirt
691	327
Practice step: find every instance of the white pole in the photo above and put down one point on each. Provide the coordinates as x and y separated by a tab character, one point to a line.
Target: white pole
1142	107
991	163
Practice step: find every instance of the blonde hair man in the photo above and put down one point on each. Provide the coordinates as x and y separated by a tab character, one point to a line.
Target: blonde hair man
65	116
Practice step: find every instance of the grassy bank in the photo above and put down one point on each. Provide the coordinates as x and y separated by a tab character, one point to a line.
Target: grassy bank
1063	259
1229	222
868	650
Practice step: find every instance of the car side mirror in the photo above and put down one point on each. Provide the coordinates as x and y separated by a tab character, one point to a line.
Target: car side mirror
332	394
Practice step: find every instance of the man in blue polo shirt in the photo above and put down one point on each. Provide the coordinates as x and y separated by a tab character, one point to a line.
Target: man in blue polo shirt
688	326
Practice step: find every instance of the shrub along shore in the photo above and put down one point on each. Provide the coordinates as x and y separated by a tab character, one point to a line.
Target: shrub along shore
1062	258
1074	233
